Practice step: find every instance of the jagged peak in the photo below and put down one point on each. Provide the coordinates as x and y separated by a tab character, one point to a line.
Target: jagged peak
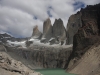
47	24
35	28
48	19
36	33
58	20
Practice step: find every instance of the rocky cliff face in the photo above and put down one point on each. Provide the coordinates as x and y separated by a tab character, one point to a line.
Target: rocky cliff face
86	37
59	31
74	23
36	33
47	31
43	57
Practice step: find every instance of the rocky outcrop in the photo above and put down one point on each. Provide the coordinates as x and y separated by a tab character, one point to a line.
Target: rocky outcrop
4	37
47	31
10	66
59	31
36	33
74	23
86	37
54	34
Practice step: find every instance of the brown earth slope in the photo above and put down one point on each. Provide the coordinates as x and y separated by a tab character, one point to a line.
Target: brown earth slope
89	64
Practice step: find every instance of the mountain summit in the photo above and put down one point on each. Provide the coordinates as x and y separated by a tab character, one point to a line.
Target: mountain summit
36	33
47	30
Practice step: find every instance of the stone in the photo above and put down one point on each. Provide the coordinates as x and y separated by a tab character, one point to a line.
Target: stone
59	31
47	30
74	23
85	41
44	57
10	66
36	33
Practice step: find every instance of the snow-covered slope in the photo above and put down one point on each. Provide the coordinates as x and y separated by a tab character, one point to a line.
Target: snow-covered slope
36	42
16	43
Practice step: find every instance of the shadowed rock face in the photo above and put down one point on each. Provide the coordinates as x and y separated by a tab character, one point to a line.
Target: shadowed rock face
36	33
47	30
85	41
88	33
59	31
74	23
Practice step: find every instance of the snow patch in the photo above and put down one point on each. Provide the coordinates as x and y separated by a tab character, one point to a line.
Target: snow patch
43	38
16	43
38	43
51	39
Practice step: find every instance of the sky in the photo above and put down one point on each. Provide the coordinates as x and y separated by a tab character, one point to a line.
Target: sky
18	17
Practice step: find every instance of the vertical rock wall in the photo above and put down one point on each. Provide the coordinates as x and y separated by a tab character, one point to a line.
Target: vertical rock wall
86	36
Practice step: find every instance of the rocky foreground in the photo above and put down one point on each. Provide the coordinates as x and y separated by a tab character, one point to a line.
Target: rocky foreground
10	66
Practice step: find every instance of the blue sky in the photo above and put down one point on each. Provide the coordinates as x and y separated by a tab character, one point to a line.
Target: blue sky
18	17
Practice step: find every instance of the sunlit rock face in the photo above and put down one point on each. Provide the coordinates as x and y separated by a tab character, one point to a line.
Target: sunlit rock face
36	33
47	31
59	31
74	23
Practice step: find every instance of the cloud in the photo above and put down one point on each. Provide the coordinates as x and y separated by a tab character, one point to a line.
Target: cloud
78	4
18	17
89	2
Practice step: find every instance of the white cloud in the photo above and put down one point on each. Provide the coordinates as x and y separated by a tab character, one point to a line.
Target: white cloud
89	2
17	16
